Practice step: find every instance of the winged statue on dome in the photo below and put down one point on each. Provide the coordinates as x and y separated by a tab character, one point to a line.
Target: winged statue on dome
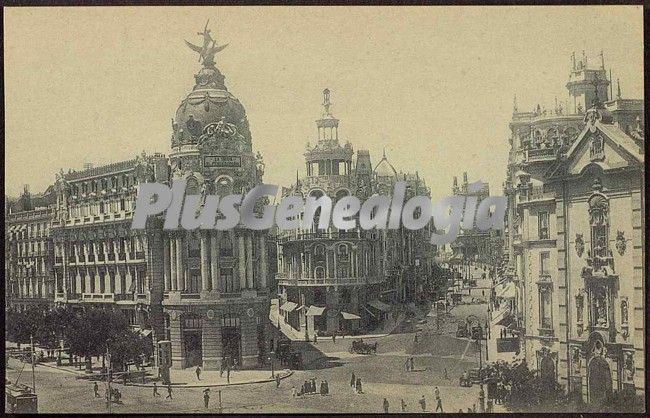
209	48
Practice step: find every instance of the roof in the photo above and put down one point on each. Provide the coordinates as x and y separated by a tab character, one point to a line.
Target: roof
315	311
385	168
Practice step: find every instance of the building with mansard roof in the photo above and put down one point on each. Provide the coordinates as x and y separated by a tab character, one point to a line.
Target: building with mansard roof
575	238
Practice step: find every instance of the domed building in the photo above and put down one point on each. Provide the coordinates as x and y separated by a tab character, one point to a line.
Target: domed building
335	281
215	282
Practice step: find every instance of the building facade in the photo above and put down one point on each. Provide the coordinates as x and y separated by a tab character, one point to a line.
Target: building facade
575	237
29	254
473	244
333	280
205	291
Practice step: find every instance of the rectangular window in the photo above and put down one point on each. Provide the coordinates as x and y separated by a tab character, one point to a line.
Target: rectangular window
544	259
545	308
194	283
228	280
543	225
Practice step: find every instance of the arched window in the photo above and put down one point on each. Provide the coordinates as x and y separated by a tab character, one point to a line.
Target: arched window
319	252
319	272
113	182
343	252
599	222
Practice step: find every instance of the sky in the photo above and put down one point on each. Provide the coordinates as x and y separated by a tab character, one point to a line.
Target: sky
433	86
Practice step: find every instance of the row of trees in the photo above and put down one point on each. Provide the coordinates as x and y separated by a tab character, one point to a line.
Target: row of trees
86	333
528	391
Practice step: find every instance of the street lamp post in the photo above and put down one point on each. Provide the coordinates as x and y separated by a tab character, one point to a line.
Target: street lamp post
271	356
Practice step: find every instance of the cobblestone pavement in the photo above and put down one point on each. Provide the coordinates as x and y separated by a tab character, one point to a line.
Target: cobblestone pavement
383	376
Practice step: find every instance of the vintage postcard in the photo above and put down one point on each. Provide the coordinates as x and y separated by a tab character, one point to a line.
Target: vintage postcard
283	209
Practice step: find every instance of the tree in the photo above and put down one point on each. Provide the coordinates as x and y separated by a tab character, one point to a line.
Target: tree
21	326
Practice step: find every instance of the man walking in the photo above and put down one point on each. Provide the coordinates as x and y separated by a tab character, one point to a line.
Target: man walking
446	375
96	389
438	400
155	390
198	372
334	338
403	405
206	397
386	405
423	404
169	392
277	380
353	381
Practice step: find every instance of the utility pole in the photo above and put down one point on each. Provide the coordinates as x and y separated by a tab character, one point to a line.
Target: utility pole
31	342
108	380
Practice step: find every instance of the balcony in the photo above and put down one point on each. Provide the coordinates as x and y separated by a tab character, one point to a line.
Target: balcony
328	281
600	266
98	297
123	297
508	345
535	194
297	235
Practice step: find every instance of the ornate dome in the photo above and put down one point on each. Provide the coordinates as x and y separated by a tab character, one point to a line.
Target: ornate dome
385	168
209	103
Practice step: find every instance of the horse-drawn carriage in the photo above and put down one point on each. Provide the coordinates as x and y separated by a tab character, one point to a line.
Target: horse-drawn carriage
363	348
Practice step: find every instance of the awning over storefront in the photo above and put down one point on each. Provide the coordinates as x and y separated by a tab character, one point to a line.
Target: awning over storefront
288	306
315	311
507	291
377	304
145	332
347	315
502	317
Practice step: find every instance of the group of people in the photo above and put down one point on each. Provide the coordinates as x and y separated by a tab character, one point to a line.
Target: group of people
114	394
409	364
422	402
355	384
309	388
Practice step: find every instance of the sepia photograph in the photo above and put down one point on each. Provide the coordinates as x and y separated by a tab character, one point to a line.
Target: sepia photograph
324	210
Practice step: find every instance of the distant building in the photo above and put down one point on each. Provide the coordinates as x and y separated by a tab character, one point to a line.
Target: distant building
575	237
472	244
29	252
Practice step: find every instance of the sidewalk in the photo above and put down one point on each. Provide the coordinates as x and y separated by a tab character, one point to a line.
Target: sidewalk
187	378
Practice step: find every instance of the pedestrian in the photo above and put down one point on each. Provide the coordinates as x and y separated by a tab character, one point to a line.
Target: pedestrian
403	405
228	374
438	401
412	365
277	380
315	337
313	385
446	375
489	406
221	369
423	404
327	387
206	397
359	386
386	405
198	372
293	391
334	338
155	390
322	388
415	340
353	381
407	364
96	389
169	392
305	387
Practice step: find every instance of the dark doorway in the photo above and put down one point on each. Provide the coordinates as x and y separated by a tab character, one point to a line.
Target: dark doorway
193	354
600	380
231	340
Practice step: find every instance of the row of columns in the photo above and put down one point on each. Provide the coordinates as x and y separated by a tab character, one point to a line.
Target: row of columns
82	248
93	284
29	287
305	264
175	269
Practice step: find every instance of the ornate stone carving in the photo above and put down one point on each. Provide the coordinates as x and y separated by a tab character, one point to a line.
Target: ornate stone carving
580	244
575	361
628	365
621	244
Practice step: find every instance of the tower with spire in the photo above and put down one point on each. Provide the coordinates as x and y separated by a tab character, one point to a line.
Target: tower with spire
587	85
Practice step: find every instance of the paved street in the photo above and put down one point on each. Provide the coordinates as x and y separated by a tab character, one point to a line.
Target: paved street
383	375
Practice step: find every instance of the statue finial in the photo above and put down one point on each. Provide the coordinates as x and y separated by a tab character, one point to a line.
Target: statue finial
326	101
209	48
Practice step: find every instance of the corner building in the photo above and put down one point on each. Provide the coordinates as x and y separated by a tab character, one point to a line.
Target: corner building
215	296
575	237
